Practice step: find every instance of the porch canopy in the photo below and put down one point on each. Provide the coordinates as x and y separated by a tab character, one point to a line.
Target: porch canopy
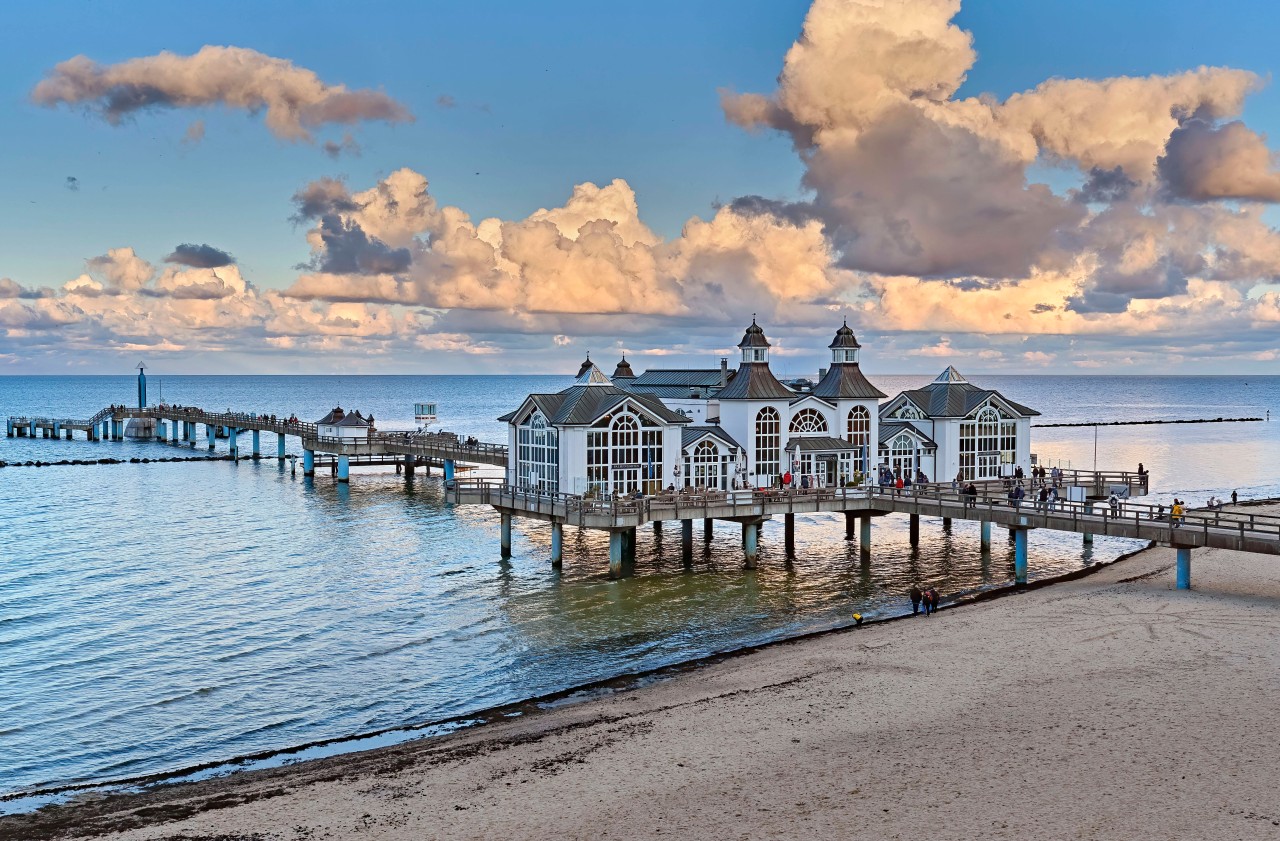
826	460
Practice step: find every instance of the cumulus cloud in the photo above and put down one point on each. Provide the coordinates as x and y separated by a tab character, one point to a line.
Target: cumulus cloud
294	99
1203	162
201	256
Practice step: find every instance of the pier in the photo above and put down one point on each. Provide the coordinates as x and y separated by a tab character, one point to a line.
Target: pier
622	518
182	426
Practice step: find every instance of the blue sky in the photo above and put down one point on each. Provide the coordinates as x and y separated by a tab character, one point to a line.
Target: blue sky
544	97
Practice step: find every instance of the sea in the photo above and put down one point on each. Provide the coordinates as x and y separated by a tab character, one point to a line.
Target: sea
161	617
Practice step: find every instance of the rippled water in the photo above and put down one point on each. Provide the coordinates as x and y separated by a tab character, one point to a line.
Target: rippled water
158	616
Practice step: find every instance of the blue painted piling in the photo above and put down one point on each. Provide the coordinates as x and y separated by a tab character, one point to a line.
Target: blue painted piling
1184	567
1020	555
308	463
344	469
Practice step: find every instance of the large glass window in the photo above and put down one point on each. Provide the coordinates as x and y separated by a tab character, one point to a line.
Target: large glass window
768	442
537	455
859	435
707	467
985	441
624	453
808	420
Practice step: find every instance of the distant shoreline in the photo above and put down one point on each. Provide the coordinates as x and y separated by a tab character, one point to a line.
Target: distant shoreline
1149	422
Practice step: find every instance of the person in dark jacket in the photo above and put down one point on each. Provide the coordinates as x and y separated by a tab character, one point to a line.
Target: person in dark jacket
933	600
916	597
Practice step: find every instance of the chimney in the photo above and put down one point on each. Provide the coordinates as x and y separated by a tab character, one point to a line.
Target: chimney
724	371
822	372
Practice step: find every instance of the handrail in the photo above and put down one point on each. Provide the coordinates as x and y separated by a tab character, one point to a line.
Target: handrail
932	500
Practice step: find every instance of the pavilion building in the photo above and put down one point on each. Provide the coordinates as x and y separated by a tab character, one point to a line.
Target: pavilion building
720	429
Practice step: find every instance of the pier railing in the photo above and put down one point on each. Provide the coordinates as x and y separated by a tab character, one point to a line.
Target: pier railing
1202	527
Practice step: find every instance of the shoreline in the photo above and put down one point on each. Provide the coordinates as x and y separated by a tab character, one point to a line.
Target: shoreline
265	762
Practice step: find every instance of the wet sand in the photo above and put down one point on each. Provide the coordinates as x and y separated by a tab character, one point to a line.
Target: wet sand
1112	706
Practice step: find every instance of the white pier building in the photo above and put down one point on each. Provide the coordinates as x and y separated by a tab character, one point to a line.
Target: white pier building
721	429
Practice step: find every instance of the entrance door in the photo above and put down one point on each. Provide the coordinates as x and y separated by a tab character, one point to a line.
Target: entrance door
626	480
988	465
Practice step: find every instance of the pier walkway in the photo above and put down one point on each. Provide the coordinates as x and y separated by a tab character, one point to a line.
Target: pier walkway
180	425
621	517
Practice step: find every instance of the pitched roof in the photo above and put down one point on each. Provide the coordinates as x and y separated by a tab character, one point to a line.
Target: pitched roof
680	376
754	381
952	399
335	414
819	444
591	375
846	380
579	405
691	434
353	419
891	429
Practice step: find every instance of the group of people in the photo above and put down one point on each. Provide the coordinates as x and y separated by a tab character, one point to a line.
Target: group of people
898	482
926	598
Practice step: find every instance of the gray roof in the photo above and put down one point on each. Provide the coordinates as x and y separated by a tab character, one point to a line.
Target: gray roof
579	405
844	338
890	430
329	418
846	380
754	381
623	371
591	375
957	399
354	419
754	337
690	434
819	444
709	377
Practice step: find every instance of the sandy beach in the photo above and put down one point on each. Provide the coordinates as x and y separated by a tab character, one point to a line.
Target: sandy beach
1112	706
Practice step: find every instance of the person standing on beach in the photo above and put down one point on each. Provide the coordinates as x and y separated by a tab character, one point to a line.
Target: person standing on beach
916	596
933	597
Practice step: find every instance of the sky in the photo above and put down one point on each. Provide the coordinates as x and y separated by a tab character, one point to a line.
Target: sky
502	187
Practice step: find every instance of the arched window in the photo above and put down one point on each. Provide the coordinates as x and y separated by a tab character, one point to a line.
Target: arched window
808	420
624	437
624	452
984	442
908	412
859	435
768	441
902	456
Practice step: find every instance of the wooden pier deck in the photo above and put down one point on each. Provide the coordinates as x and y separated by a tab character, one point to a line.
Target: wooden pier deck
621	517
172	423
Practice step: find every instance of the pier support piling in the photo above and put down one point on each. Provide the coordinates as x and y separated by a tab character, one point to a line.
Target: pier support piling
308	463
864	534
410	462
1088	539
117	430
505	534
1184	568
212	432
946	524
344	466
257	448
1020	556
615	554
557	544
986	535
629	545
789	534
707	529
657	528
751	544
448	470
849	518
686	541
280	447
914	529
231	442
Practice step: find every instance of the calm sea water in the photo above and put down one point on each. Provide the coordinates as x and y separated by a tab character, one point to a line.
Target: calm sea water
154	617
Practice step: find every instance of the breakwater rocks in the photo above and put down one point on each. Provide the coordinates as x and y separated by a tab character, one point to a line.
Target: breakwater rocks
86	461
1151	422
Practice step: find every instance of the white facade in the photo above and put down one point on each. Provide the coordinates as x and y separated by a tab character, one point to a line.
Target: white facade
717	430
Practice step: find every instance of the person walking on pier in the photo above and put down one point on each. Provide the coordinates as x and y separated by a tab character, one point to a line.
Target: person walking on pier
1175	513
916	597
1042	500
1234	497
